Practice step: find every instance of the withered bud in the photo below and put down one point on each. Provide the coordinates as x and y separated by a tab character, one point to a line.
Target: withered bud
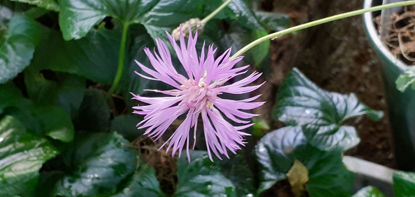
195	24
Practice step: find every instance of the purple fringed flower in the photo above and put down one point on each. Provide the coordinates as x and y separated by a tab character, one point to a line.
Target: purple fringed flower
197	94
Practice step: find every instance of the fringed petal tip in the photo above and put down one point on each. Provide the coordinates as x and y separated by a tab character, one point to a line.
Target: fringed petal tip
197	93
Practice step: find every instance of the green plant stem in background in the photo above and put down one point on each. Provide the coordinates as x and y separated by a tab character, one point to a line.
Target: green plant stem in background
211	15
121	57
319	22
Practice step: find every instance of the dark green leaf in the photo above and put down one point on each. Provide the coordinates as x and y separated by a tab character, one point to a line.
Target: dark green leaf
237	170
368	191
130	81
47	4
143	183
21	157
331	137
244	16
77	17
301	102
48	120
275	154
201	177
99	162
406	79
126	126
47	180
93	57
404	184
277	151
66	91
237	37
273	21
9	96
17	50
94	112
55	122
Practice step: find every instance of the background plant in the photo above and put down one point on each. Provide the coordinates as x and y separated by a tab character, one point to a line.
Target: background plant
64	133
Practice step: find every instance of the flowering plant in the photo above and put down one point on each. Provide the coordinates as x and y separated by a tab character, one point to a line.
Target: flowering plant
66	127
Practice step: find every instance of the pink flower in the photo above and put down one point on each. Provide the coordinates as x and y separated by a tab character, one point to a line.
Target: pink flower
197	94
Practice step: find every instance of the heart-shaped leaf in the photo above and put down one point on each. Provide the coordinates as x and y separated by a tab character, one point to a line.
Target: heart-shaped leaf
301	102
17	50
77	17
273	21
237	170
331	137
93	57
406	79
277	151
49	120
143	183
64	90
369	191
126	126
201	177
404	183
21	157
94	112
47	4
99	162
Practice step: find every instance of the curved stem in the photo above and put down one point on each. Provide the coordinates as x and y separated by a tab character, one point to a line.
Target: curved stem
121	58
211	15
318	22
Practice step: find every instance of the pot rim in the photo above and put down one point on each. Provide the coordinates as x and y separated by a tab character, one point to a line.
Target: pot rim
374	37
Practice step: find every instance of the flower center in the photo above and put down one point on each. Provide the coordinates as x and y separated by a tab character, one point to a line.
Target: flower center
197	95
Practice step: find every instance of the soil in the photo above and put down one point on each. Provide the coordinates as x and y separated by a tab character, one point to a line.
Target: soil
400	34
337	57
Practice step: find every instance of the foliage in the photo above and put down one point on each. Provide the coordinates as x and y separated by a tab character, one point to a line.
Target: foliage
406	79
62	134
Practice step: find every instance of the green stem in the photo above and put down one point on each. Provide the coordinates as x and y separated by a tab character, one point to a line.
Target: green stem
211	15
121	58
318	22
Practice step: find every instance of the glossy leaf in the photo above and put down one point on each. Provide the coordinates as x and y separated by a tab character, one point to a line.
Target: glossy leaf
17	50
126	126
331	137
406	79
64	90
404	184
277	151
369	191
244	15
99	162
21	157
93	57
143	183
94	112
48	120
237	170
47	4
275	154
201	177
130	81
273	21
300	102
9	96
77	17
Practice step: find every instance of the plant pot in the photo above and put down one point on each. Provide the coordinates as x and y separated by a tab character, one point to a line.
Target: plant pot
401	105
